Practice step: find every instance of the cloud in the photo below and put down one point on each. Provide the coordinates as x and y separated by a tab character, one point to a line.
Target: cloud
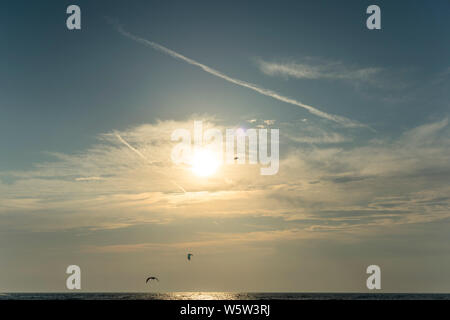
269	122
324	187
210	240
260	123
302	132
266	92
144	158
318	70
88	178
332	137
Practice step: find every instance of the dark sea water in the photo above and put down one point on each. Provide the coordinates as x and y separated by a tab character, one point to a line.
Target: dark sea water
222	296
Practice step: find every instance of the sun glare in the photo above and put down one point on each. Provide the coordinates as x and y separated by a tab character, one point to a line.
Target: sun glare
205	162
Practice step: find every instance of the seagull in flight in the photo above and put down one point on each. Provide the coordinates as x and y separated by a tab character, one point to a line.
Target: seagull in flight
151	278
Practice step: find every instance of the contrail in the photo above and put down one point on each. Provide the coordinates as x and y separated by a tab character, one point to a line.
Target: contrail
342	120
133	149
145	158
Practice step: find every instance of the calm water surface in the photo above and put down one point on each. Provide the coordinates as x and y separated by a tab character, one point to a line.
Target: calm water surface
222	296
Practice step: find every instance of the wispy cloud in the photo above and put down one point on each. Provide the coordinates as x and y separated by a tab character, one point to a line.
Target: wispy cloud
304	132
318	70
133	149
321	137
145	159
383	182
237	241
266	92
88	178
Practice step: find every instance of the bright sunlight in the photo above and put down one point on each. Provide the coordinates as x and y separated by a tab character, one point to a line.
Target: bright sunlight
205	162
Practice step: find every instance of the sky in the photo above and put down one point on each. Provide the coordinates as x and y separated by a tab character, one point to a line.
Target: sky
86	175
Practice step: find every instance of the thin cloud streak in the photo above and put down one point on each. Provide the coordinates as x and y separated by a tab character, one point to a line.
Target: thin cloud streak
133	149
324	70
145	158
269	93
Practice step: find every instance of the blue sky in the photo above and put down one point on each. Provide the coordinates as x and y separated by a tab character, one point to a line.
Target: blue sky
46	65
344	196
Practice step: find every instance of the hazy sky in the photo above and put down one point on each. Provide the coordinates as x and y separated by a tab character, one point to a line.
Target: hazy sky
363	179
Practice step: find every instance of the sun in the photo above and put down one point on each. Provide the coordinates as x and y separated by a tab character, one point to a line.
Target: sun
205	162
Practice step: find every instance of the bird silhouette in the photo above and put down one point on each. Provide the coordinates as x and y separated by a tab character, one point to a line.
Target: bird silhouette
189	255
151	278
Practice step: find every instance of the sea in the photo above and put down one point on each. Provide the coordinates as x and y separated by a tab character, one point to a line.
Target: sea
223	296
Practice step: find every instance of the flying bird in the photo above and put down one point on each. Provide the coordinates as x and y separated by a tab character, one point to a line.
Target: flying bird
151	278
189	255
